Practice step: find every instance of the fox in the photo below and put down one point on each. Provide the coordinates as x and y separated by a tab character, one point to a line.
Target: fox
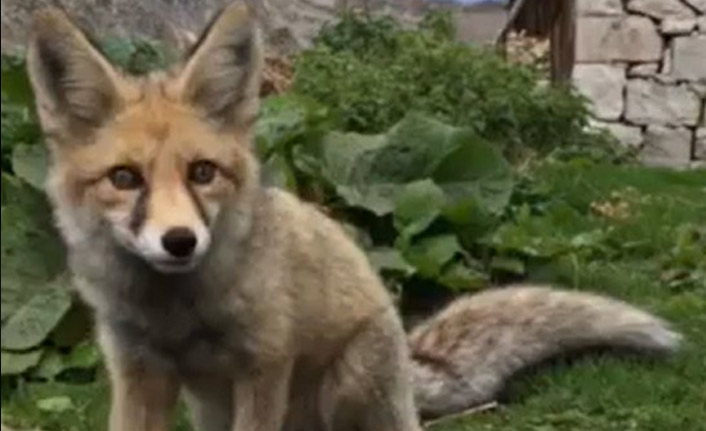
254	307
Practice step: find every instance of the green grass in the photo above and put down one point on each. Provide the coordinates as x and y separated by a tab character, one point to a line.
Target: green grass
647	264
606	393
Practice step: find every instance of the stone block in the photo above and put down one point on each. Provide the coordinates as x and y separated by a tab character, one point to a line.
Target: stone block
630	136
665	146
699	5
643	70
603	85
599	7
675	26
605	39
660	9
651	102
689	58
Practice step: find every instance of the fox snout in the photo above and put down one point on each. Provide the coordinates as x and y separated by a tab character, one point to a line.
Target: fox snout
179	242
172	249
176	249
168	225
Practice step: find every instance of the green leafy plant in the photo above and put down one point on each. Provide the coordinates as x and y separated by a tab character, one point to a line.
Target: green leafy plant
34	288
414	194
138	56
371	72
19	125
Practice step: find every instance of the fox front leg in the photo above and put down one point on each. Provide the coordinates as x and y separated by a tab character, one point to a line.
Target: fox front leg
142	398
143	395
261	400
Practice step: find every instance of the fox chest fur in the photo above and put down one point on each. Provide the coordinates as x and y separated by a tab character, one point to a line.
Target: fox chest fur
182	330
188	322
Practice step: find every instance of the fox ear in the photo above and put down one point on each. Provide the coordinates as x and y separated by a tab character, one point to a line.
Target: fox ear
221	77
74	85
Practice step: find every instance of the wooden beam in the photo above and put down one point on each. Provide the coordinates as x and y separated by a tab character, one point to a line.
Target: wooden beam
515	10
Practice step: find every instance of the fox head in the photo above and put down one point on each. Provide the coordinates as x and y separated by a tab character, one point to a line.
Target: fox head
151	161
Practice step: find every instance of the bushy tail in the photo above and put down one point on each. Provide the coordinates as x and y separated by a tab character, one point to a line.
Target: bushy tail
463	356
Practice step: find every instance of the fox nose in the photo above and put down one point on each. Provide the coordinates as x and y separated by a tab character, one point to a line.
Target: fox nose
179	241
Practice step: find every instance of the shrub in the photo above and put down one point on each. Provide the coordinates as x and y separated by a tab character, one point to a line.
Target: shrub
371	72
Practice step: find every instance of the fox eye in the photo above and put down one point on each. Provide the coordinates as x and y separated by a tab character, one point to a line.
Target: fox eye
125	178
202	172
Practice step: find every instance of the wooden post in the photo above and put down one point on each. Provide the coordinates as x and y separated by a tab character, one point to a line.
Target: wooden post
563	43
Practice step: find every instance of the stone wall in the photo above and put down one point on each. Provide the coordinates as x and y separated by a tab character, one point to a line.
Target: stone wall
290	24
643	65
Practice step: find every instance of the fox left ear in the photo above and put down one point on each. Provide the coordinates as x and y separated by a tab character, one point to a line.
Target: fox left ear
74	85
221	78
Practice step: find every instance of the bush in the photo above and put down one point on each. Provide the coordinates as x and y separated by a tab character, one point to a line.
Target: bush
432	204
370	72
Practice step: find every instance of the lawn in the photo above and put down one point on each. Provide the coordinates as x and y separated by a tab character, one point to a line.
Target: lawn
655	258
606	393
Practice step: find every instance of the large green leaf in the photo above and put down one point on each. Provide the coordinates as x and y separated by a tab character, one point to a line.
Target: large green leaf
34	320
18	127
470	218
344	157
288	134
19	124
31	251
15	83
8	188
460	276
285	119
430	254
476	171
83	356
369	170
14	363
373	171
415	148
417	206
58	404
30	163
30	246
389	259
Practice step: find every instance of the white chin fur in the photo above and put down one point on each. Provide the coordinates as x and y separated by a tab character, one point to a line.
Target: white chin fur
177	267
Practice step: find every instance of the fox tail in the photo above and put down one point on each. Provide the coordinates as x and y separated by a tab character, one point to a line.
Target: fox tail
463	356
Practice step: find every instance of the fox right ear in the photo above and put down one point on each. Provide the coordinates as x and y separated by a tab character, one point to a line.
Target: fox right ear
74	85
221	77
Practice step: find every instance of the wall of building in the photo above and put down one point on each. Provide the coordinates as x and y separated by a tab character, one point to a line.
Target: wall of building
643	65
290	24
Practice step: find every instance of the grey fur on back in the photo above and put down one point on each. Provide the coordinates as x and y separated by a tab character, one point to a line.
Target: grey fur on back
464	355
